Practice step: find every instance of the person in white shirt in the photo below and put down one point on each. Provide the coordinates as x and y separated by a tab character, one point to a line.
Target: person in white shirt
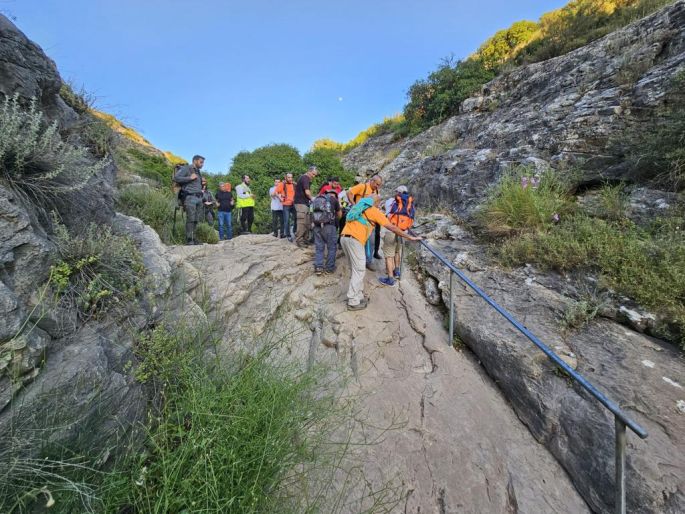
276	209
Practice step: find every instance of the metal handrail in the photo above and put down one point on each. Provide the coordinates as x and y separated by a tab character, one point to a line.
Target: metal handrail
621	420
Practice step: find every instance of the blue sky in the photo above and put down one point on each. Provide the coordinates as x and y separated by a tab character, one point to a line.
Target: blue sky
216	77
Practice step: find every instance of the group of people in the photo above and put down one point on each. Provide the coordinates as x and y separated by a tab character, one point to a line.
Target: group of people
329	218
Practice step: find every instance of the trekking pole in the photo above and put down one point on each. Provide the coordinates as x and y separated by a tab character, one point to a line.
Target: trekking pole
173	225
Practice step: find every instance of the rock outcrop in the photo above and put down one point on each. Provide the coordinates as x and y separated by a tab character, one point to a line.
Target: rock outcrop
433	433
58	375
572	110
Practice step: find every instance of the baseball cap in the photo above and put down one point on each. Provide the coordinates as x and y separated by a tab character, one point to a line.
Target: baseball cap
402	189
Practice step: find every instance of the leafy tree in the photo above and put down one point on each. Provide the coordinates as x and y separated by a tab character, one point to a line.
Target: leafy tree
500	47
263	165
327	161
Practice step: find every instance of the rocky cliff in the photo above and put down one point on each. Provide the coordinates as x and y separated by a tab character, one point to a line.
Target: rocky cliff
56	372
569	112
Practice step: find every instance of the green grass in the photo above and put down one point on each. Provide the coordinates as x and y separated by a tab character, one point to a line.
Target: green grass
156	208
512	208
246	434
643	263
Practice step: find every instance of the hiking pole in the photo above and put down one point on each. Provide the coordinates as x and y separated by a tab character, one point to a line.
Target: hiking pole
173	225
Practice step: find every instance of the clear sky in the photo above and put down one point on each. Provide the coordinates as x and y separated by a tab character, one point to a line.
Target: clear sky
216	77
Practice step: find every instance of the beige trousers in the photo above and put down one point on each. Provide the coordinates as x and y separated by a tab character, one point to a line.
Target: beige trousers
356	257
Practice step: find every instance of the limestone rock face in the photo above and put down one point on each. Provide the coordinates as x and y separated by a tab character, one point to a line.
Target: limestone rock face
25	70
644	375
569	110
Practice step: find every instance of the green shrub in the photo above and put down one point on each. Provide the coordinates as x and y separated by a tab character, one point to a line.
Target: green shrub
512	208
35	162
155	208
501	47
81	101
206	233
438	97
646	264
154	167
96	270
613	202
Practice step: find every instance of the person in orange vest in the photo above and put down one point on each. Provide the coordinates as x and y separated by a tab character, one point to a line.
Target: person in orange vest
361	221
354	195
286	192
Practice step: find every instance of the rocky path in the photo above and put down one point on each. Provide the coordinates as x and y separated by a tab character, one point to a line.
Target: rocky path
455	445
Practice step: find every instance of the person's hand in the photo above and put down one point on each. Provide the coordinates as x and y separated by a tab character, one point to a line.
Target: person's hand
415	238
193	176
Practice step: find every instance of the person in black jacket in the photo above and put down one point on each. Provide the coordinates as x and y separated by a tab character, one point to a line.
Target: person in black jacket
224	197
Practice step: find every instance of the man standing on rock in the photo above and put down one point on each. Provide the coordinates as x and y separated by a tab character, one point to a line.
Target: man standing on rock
225	199
190	180
361	221
245	202
303	197
286	192
276	209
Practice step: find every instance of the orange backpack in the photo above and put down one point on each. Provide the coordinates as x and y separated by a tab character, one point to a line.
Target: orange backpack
402	211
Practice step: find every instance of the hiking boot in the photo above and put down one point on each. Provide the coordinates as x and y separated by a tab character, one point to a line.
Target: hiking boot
361	305
387	281
329	271
396	273
370	266
318	271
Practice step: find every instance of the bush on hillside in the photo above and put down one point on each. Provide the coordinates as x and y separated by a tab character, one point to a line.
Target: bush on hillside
36	163
438	97
501	47
394	124
96	269
148	165
327	161
581	22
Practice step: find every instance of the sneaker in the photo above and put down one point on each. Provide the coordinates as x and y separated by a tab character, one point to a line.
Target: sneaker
370	266
361	305
387	281
396	273
318	271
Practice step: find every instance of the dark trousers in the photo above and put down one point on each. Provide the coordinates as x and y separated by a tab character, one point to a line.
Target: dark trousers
289	216
325	238
277	222
341	223
246	219
194	211
377	240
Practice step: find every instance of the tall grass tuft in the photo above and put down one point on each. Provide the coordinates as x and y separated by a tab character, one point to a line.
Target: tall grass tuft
524	201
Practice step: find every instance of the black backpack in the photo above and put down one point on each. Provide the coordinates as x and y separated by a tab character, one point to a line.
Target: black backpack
322	210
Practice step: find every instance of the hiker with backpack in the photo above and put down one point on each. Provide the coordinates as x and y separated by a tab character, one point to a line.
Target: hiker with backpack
190	195
400	211
245	203
225	199
208	202
354	195
361	221
303	198
325	215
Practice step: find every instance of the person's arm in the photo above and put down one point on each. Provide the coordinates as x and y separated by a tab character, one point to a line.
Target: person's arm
402	233
350	197
183	176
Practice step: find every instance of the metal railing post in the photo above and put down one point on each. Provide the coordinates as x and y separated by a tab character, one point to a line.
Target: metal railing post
451	307
620	480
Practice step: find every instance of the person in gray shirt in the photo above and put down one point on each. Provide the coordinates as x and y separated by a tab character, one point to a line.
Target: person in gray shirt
190	180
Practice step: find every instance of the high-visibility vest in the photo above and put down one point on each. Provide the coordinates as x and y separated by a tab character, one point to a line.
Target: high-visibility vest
243	190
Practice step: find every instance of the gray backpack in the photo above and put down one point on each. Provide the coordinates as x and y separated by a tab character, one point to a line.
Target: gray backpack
322	210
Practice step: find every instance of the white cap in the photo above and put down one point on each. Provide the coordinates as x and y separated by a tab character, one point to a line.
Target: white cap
401	189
